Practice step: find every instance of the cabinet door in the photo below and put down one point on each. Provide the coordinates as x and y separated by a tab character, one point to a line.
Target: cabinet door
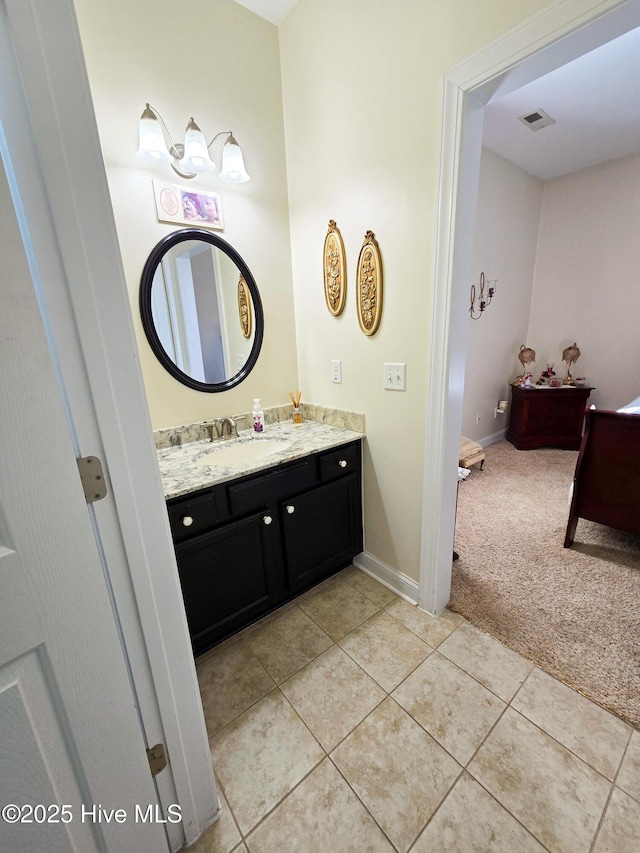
229	577
322	531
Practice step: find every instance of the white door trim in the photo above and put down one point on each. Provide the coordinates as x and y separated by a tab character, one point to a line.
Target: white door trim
559	33
92	332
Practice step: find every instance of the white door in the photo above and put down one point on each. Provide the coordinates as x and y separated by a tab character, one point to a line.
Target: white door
71	747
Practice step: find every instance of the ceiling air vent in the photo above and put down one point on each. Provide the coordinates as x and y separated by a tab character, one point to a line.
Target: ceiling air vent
537	120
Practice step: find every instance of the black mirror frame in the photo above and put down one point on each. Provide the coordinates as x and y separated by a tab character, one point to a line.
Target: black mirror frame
148	325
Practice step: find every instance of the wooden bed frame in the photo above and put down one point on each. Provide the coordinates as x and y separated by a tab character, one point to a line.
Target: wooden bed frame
606	485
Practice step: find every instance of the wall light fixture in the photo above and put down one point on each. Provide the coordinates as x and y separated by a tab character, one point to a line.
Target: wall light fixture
191	158
480	301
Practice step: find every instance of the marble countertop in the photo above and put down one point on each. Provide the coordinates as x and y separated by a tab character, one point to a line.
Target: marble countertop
182	473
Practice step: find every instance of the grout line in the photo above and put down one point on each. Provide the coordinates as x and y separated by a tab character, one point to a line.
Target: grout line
388	694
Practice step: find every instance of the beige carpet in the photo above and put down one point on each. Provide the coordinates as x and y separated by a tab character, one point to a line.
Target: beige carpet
574	612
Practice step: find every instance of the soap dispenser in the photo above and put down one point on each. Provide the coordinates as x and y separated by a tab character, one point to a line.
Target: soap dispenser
258	417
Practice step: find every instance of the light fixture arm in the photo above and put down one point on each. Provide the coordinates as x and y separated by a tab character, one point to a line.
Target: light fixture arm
171	145
222	133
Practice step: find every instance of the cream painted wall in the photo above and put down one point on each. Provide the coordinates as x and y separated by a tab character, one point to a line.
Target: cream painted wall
362	87
586	279
507	221
217	61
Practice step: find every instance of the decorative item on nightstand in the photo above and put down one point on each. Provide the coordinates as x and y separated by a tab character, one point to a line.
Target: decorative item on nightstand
526	356
570	355
547	375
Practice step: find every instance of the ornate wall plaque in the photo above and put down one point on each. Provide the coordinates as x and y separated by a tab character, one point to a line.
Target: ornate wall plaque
369	285
244	307
335	270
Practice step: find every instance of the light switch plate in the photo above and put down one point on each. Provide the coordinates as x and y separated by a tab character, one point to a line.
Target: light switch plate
336	371
395	377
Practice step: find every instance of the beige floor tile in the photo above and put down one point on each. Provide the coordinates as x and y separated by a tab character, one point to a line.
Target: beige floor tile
488	661
286	644
332	695
431	629
471	821
223	836
620	830
368	586
629	776
555	795
399	772
450	705
230	682
261	756
385	649
338	608
592	733
322	815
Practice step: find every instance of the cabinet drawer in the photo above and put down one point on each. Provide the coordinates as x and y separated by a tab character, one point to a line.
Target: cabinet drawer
337	463
193	516
256	492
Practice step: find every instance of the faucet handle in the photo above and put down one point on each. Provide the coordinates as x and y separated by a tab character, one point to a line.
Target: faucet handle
233	425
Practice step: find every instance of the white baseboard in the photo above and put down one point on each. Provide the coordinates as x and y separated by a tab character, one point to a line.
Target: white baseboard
391	578
494	438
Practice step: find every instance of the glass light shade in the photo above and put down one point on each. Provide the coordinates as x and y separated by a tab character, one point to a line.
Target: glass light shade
196	155
152	146
233	170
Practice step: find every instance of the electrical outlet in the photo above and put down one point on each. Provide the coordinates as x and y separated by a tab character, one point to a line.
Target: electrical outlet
477	418
336	371
395	377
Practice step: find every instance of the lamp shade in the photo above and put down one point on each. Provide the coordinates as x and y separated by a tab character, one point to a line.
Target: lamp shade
152	146
196	154
233	170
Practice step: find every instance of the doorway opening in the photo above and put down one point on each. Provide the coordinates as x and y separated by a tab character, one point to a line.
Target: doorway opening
553	38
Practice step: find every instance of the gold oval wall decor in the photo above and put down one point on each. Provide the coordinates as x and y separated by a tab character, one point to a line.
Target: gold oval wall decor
335	270
369	285
244	308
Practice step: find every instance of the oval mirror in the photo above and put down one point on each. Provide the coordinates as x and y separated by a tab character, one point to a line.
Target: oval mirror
201	310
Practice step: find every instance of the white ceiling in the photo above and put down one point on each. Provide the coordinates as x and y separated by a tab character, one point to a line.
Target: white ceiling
594	101
271	10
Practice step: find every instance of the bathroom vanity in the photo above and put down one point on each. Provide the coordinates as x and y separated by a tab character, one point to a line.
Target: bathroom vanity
252	535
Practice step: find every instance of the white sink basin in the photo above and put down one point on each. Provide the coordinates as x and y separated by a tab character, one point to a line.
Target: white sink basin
243	451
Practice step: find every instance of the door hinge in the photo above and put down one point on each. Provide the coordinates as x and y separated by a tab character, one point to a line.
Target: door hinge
157	758
92	478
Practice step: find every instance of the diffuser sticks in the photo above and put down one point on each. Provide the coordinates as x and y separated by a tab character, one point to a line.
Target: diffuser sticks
295	400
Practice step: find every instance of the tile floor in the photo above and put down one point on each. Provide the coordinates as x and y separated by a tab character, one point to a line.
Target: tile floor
351	721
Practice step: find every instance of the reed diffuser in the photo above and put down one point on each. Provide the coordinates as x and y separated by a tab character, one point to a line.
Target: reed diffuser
295	400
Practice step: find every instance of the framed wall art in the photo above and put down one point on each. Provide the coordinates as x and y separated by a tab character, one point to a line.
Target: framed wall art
335	270
369	285
188	206
244	308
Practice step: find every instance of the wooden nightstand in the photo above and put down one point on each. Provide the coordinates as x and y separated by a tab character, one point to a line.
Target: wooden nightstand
547	417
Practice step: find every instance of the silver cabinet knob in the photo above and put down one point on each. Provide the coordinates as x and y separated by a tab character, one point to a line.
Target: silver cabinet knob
290	509
267	519
187	520
342	463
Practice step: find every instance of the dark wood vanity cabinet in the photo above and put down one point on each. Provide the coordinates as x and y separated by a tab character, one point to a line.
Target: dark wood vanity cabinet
246	546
